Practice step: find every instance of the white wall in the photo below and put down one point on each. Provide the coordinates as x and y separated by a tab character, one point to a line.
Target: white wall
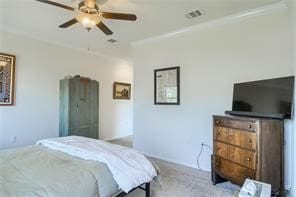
292	13
294	122
212	57
39	67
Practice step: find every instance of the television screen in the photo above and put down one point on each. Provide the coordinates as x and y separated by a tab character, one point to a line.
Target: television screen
265	98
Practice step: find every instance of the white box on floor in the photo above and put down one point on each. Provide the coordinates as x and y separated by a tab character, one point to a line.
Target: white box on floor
253	188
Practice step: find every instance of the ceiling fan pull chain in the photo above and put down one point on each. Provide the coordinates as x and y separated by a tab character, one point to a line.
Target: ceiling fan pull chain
88	44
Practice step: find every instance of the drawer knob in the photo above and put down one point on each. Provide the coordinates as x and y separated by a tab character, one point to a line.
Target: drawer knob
249	140
217	121
248	159
217	163
249	126
218	133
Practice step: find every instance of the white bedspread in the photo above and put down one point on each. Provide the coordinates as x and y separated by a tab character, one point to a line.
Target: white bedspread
128	167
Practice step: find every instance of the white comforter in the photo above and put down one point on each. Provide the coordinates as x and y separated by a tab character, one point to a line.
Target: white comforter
128	167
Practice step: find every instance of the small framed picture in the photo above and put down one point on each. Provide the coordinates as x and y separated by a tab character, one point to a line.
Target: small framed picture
7	72
121	90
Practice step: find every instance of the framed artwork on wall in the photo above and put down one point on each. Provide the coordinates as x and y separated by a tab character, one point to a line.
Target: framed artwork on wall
7	74
121	90
167	86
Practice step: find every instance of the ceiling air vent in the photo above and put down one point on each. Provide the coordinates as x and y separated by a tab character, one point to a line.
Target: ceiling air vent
112	40
193	14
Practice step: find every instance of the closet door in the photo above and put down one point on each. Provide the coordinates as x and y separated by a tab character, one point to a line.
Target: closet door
94	106
73	106
84	107
79	105
64	107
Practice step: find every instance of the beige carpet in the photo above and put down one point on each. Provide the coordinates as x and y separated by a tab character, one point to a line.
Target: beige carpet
181	181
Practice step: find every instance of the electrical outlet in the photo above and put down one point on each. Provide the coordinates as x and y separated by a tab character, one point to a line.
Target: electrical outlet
12	139
205	145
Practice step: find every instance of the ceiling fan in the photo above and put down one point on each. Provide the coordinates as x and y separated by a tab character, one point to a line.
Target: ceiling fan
89	15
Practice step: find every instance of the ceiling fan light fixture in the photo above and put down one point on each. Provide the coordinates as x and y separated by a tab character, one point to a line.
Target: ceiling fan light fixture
88	24
88	21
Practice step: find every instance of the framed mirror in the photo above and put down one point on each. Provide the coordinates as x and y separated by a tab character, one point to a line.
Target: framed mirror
167	86
7	70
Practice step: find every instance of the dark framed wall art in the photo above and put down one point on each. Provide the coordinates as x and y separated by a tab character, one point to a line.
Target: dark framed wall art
7	75
167	86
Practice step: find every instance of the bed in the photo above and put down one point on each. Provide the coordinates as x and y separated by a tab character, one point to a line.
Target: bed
46	169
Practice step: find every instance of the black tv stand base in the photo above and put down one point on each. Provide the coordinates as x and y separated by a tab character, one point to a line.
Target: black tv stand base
256	115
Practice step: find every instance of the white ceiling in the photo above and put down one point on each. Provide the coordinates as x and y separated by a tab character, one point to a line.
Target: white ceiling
155	17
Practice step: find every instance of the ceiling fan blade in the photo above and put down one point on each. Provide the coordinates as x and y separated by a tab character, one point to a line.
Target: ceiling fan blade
56	4
104	28
69	23
119	16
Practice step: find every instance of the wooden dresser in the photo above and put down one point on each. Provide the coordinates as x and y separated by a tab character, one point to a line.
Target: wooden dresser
248	148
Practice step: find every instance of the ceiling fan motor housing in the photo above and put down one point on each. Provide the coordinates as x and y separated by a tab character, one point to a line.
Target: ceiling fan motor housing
88	8
90	3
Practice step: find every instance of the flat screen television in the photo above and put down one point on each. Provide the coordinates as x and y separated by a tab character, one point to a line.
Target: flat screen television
271	98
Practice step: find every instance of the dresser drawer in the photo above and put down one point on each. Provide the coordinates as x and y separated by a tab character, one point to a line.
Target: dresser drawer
247	125
247	140
236	137
241	156
221	149
221	134
232	171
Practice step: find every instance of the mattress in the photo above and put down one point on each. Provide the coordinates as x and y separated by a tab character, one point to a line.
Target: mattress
39	171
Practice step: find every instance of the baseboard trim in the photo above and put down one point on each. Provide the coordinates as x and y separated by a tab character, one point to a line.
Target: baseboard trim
174	161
